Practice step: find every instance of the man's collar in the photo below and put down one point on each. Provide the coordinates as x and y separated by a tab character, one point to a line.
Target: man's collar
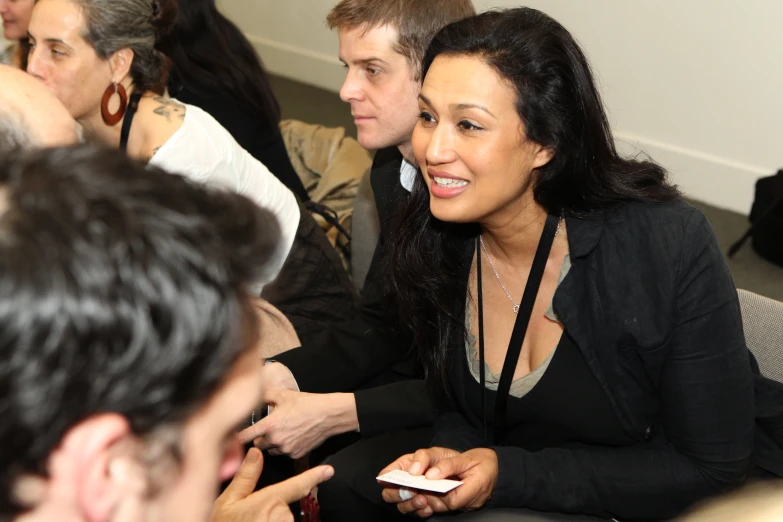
387	159
408	174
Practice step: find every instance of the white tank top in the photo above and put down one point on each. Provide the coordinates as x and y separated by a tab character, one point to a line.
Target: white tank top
205	152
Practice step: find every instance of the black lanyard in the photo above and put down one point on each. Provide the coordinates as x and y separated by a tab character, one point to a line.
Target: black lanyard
517	334
130	112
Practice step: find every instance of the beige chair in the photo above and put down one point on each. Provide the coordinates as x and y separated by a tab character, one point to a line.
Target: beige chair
760	502
762	319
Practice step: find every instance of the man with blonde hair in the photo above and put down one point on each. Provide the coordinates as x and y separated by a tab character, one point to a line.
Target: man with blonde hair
382	45
362	380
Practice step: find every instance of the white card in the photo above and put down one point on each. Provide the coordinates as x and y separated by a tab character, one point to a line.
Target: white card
403	478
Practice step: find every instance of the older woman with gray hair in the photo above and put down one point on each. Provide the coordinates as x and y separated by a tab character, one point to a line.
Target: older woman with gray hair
101	59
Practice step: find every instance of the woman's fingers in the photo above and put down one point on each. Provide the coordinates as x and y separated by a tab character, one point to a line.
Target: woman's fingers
401	463
424	459
436	504
417	503
450	467
422	505
391	495
424	513
397	494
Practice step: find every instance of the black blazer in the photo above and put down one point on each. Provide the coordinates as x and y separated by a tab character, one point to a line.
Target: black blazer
651	305
368	355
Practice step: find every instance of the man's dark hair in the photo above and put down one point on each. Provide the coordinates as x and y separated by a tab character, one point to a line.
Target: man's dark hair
122	289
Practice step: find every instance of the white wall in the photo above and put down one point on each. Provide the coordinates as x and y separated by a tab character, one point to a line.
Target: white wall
292	37
698	84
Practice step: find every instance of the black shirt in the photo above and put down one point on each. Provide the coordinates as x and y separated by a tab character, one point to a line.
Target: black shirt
566	405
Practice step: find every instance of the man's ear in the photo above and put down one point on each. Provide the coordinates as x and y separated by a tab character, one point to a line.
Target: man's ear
103	454
120	63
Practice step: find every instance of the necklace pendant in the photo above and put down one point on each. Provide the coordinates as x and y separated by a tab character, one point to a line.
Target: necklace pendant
516	308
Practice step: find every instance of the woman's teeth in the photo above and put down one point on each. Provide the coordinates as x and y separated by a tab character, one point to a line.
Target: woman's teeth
450	182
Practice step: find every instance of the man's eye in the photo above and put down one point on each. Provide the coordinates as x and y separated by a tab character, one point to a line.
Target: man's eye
373	71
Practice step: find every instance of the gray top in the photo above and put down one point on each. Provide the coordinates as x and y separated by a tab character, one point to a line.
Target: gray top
521	386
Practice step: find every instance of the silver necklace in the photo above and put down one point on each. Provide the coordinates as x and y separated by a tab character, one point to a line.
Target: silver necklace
497	276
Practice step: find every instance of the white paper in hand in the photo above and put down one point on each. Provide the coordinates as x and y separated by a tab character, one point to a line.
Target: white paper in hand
403	478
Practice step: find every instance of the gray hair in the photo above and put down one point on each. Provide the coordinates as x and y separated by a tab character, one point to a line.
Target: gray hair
137	25
15	134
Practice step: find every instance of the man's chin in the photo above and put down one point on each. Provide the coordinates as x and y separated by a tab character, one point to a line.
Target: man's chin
370	142
374	142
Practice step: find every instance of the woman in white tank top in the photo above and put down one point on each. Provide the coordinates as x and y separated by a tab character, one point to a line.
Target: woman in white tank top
100	58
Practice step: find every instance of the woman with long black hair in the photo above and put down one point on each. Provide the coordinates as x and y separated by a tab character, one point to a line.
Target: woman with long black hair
215	68
619	385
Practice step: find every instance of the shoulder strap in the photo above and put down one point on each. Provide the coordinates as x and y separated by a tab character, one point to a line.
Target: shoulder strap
521	324
130	112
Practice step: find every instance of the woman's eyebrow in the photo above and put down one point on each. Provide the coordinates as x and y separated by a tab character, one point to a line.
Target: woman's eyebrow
463	106
460	106
51	41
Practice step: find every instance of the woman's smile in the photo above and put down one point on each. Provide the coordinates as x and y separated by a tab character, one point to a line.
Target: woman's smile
445	185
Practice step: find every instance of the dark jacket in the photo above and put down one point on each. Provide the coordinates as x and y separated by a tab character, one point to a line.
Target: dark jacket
651	305
368	355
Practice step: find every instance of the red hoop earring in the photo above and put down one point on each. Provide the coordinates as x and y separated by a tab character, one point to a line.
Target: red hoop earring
108	117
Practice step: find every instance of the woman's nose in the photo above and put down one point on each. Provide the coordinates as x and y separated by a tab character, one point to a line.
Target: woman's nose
441	147
34	66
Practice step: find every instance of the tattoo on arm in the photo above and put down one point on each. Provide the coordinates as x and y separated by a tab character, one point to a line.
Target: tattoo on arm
154	151
168	108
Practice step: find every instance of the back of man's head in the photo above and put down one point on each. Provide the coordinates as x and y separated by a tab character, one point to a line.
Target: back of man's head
14	131
122	291
30	115
416	21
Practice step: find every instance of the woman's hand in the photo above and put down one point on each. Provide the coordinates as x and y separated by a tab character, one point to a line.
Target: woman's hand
476	468
421	503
